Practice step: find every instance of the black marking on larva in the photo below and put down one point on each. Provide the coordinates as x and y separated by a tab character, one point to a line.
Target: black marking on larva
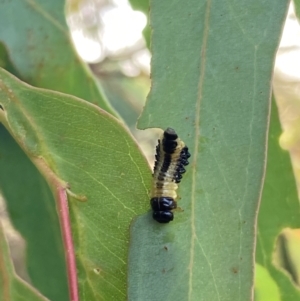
181	169
183	161
170	134
169	141
160	177
167	152
177	178
166	164
159	184
163	217
157	156
163	203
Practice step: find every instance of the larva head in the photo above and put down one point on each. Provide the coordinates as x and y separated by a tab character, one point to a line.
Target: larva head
170	134
163	217
169	141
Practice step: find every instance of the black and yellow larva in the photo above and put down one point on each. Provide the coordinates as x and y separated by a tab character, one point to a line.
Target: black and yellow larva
171	157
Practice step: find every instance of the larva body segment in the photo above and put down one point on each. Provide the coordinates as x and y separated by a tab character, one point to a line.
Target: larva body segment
171	157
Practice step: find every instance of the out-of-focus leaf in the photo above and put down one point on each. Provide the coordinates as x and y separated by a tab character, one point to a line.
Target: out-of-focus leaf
211	79
265	287
279	209
127	96
297	8
91	151
32	210
38	42
286	255
12	287
5	62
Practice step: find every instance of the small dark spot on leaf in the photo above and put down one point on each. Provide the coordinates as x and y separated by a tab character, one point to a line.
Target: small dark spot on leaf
166	248
235	270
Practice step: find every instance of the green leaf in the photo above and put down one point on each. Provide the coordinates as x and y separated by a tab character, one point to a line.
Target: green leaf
297	8
92	152
11	286
286	255
5	62
32	210
127	96
279	209
37	39
211	80
23	186
41	52
265	287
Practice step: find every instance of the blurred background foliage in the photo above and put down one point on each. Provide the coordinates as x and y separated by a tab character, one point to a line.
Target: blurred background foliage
113	38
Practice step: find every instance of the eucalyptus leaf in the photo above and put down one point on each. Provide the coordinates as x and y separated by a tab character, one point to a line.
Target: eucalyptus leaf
279	210
32	210
297	8
265	287
81	148
39	45
211	80
12	287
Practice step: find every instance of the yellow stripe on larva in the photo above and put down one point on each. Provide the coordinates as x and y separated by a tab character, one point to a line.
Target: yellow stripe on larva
167	186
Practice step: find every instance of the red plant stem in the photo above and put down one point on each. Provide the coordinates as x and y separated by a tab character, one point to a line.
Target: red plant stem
64	217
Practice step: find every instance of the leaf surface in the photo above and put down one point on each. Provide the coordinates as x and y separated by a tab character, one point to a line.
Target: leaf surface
13	288
22	185
32	209
74	142
297	8
39	45
211	73
265	286
279	210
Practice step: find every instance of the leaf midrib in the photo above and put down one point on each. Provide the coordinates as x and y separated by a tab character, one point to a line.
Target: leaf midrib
195	156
